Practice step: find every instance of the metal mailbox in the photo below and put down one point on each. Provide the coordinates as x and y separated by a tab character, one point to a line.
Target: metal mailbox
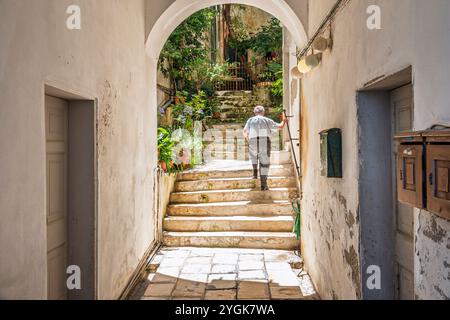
331	153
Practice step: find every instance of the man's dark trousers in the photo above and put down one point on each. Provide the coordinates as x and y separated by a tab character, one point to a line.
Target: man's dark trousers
260	150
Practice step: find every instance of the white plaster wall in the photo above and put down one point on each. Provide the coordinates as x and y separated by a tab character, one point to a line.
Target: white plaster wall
291	96
318	10
166	184
432	106
432	256
105	60
413	32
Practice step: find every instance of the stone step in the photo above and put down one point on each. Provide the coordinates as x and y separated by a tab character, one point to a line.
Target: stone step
277	157
218	155
243	116
230	145
230	151
229	223
238	98
240	93
229	131
238	102
247	171
217	147
225	107
232	183
218	135
231	195
250	240
270	208
231	121
222	142
236	126
226	93
241	111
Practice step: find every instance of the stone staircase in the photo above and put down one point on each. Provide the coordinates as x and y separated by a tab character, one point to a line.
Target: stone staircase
220	205
238	106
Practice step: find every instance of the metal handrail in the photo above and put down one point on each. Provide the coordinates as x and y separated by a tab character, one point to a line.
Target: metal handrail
297	167
166	90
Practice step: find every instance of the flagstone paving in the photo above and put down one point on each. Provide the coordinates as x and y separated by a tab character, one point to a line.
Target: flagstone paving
225	274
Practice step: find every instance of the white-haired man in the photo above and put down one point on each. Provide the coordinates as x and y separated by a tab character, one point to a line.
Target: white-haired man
257	132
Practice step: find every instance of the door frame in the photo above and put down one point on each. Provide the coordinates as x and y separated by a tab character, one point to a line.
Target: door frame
395	201
61	89
378	231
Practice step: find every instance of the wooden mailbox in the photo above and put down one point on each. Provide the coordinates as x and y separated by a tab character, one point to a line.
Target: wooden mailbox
410	173
423	171
438	172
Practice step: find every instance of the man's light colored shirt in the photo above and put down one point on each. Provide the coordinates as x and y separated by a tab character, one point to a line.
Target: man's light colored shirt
260	126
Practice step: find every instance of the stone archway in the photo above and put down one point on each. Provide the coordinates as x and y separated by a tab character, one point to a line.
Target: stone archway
180	10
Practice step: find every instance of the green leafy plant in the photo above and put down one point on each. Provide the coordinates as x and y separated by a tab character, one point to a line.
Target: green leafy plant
206	75
265	42
272	71
191	108
277	88
269	39
277	85
165	148
185	58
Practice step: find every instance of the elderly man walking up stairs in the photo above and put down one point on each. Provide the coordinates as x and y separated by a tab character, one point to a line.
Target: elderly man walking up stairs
257	132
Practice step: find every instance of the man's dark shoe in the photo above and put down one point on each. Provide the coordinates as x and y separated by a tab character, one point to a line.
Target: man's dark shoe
264	186
255	173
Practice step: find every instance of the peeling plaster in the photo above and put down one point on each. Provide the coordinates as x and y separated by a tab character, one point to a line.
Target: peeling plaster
434	232
352	259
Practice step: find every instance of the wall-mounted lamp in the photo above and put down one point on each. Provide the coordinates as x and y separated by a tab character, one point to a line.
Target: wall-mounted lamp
322	44
306	64
295	73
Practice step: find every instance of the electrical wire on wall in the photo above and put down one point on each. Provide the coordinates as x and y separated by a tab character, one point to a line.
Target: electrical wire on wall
439	126
339	5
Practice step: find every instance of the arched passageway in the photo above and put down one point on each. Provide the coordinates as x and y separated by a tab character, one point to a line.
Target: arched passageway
246	233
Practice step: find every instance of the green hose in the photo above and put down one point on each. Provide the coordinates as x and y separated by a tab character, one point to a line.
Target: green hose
297	224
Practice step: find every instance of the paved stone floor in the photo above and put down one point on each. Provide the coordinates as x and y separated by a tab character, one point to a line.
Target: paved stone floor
225	274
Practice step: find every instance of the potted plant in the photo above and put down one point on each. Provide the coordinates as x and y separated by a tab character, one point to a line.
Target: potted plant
165	147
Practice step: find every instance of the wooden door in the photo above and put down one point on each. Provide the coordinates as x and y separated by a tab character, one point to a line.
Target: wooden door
402	107
56	127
